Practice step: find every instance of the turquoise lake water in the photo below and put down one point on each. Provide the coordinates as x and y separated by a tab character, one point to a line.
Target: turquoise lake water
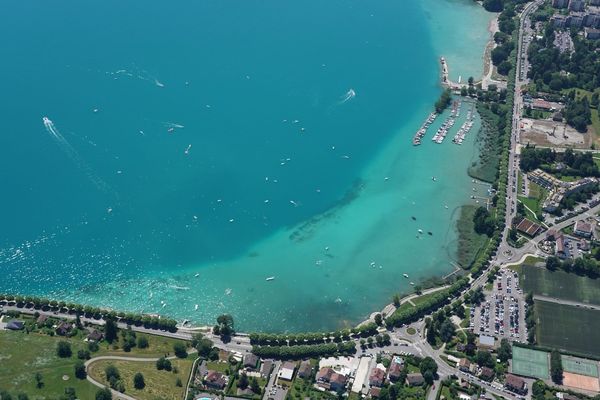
197	148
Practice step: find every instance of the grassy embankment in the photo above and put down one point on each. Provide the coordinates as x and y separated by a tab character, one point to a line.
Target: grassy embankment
470	242
159	384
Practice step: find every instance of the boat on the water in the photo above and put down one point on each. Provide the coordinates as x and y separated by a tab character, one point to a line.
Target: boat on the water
405	275
271	278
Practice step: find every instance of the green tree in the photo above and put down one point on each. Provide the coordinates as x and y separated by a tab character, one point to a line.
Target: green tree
178	382
428	368
63	349
138	381
447	331
556	368
111	372
225	326
504	351
83	354
243	382
378	319
142	342
104	394
163	363
39	380
180	350
80	372
484	359
110	330
22	396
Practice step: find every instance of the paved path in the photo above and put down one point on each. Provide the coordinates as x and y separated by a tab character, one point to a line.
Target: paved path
117	394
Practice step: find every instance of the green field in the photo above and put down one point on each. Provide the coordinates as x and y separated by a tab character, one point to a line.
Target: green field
532	363
159	384
568	328
22	355
560	284
580	366
537	194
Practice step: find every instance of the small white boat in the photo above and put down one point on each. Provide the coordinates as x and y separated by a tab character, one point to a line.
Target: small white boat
196	307
420	231
271	278
405	275
227	291
412	283
197	275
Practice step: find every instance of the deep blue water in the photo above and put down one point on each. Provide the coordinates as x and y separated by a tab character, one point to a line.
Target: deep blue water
255	87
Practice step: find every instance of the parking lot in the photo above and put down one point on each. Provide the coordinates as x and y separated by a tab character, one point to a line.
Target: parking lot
502	314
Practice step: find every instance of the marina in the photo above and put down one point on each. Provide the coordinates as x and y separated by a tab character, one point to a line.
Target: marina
423	129
465	127
443	130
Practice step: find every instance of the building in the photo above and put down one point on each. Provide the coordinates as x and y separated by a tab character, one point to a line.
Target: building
42	319
529	228
583	229
558	21
560	247
15	325
266	367
250	361
395	371
95	336
305	370
515	384
487	374
464	365
377	377
215	380
576	5
324	375
286	372
560	3
414	379
374	392
64	328
337	383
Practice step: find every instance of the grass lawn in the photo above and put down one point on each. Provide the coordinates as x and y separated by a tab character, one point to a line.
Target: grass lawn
233	388
537	194
157	346
302	389
159	384
217	366
560	284
22	355
423	298
568	328
411	331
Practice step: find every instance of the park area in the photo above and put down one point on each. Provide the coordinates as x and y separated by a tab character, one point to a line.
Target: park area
23	355
568	328
165	385
560	284
530	363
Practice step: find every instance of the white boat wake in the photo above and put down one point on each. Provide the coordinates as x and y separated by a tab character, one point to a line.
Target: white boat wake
350	94
70	151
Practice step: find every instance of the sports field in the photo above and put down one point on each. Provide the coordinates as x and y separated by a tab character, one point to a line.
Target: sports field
569	328
560	284
532	363
580	366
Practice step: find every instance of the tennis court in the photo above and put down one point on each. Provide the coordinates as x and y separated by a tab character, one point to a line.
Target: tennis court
527	362
580	366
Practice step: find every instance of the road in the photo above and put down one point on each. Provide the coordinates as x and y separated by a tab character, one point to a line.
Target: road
567	302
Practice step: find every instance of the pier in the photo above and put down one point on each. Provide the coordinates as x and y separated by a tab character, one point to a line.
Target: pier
446	76
423	129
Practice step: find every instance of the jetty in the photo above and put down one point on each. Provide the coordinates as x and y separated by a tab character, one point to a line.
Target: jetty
423	129
465	128
443	130
446	76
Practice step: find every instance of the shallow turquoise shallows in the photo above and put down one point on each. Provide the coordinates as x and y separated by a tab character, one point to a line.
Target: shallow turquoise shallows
240	156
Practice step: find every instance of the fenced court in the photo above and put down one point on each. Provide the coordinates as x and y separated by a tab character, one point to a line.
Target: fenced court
581	382
580	366
532	363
